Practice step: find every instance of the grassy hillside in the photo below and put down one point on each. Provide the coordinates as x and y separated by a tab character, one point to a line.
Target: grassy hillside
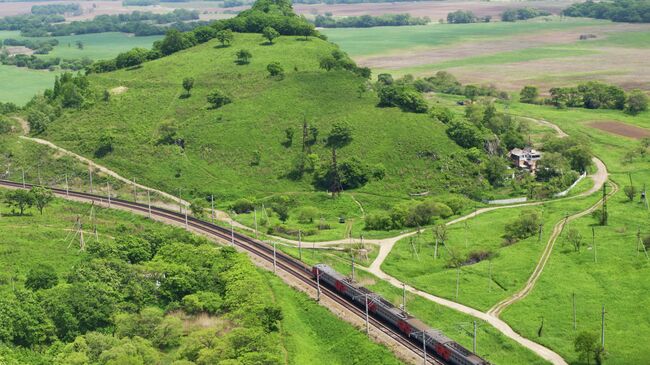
307	334
220	144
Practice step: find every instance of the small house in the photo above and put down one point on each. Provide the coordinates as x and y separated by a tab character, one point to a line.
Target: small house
525	158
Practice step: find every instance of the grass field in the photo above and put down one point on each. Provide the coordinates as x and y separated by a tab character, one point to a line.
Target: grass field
95	46
544	51
310	334
220	144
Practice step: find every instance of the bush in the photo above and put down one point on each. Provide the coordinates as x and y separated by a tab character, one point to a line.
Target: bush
308	214
243	206
525	226
202	302
5	126
275	69
218	98
378	222
41	277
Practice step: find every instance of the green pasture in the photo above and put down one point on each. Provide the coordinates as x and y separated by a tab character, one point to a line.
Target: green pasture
387	40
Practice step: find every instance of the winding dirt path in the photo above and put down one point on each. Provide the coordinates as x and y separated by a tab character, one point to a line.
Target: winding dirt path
386	245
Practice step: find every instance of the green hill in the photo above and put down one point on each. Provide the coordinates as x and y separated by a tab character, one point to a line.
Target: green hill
220	145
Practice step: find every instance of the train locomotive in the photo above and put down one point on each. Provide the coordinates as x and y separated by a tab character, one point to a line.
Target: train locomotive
434	340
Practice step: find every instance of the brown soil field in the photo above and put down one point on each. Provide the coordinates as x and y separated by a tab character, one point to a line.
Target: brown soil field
433	9
621	129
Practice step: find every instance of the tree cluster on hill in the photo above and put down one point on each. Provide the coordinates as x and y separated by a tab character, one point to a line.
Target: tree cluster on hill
512	15
37	63
125	301
39	46
368	21
24	199
465	17
277	15
30	25
590	95
629	11
50	9
349	1
339	60
410	214
140	2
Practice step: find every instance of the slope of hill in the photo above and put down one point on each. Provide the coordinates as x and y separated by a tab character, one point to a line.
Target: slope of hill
241	149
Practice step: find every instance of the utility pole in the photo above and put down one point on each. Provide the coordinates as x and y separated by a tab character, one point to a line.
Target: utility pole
274	258
24	186
603	218
490	276
352	267
317	284
212	208
186	226
135	192
474	342
602	328
232	233
575	324
67	188
404	297
593	243
424	347
457	280
91	178
180	210
108	188
149	202
367	321
255	215
300	245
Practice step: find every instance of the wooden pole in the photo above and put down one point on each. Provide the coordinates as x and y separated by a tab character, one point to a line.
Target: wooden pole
593	243
575	323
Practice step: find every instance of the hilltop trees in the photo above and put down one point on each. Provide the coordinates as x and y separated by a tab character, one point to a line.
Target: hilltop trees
270	34
636	102
243	57
225	36
188	84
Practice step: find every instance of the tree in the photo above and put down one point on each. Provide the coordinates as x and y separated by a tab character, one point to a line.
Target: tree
41	277
21	199
243	57
340	135
328	63
188	84
198	207
586	345
495	170
38	122
218	98
637	101
275	70
289	132
42	197
105	144
575	238
270	34
529	94
174	41
630	192
131	58
270	316
225	36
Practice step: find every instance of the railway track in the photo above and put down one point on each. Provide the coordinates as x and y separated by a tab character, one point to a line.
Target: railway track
284	262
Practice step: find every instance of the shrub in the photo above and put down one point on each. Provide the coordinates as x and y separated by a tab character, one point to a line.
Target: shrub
41	277
308	214
5	126
202	302
243	57
243	206
218	98
275	69
378	222
525	226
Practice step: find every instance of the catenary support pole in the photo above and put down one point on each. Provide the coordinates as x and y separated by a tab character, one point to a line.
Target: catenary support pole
108	194
424	347
474	342
24	186
91	178
212	208
255	215
67	187
274	258
367	318
232	233
352	267
317	284
404	297
602	328
300	245
149	202
135	191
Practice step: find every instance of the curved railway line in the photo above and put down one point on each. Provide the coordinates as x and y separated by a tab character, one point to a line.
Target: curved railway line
291	266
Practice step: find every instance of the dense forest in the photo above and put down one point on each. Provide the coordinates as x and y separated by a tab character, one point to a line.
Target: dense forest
629	11
367	21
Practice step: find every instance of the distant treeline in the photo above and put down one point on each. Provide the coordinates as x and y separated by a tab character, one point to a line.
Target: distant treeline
39	46
512	15
140	2
589	95
37	63
350	1
631	11
367	21
465	17
138	23
52	9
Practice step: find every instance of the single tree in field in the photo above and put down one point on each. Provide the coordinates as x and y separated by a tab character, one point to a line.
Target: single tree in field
440	232
630	192
275	70
225	36
243	57
529	94
587	346
575	238
188	84
637	101
21	199
80	44
270	34
328	63
42	197
218	98
198	207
